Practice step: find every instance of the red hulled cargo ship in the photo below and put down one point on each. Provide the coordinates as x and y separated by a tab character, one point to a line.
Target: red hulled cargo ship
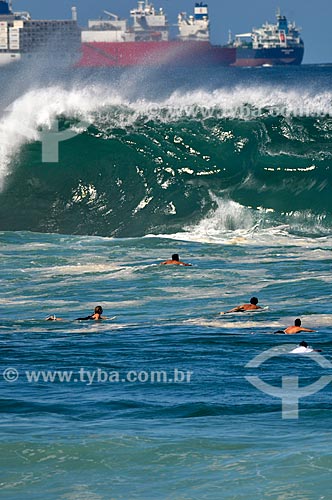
146	41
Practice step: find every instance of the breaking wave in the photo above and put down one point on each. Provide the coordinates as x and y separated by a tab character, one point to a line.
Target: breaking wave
218	159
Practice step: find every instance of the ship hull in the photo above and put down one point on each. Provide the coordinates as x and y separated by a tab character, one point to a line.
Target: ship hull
271	57
154	53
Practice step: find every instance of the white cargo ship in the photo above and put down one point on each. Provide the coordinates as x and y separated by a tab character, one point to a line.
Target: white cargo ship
21	36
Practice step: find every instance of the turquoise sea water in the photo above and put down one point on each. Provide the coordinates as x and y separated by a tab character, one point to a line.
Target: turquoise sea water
247	202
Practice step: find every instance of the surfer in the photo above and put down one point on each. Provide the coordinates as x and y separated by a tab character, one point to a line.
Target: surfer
96	316
297	328
245	307
174	261
304	348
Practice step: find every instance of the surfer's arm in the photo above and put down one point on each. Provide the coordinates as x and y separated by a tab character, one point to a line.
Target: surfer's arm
306	330
235	309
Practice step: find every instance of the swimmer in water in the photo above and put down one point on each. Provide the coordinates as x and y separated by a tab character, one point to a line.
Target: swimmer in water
174	261
96	316
245	307
297	328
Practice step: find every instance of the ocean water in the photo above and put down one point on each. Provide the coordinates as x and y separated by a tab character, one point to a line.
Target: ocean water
232	170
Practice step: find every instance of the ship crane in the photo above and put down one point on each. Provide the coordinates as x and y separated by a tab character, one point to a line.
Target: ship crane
112	16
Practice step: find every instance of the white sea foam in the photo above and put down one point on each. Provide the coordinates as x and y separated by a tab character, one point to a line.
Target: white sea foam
271	237
231	223
236	323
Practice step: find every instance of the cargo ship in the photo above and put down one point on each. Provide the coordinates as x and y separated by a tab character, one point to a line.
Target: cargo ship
21	37
146	40
271	45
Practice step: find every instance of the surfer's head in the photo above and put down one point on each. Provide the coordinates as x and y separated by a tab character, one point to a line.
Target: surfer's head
254	301
297	322
303	344
175	256
98	310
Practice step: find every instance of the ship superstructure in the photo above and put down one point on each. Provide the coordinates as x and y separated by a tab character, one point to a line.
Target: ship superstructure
272	44
195	27
21	36
149	24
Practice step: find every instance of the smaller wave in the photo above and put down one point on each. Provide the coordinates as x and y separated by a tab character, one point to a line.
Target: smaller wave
234	224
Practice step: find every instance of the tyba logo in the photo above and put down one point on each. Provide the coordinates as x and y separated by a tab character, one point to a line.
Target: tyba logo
51	137
290	391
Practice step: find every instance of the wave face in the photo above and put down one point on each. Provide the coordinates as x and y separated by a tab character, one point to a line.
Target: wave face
156	154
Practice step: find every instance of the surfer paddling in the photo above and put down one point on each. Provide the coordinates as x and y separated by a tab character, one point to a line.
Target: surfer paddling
96	316
296	328
245	307
174	261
